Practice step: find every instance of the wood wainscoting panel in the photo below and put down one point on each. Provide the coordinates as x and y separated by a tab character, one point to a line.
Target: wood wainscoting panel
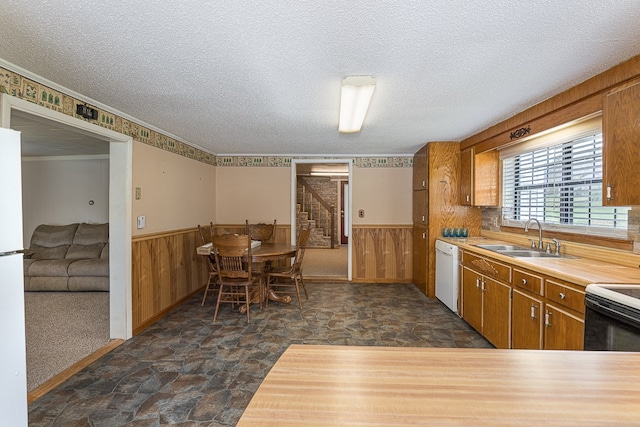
382	253
166	272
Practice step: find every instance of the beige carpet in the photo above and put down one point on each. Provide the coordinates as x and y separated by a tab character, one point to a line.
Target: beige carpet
61	329
325	262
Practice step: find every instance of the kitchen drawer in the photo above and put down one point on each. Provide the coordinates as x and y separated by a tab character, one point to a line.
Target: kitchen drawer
564	295
528	281
487	266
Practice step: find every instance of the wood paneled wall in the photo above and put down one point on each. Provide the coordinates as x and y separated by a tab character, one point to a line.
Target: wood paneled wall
166	272
382	253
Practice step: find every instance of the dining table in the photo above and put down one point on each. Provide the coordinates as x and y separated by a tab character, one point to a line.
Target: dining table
261	254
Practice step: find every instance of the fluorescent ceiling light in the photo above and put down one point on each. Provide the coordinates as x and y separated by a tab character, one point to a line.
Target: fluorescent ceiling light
354	102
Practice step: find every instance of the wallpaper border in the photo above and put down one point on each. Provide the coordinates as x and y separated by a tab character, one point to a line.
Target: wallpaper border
17	85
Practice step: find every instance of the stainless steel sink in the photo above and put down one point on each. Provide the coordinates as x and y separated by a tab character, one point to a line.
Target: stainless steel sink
528	254
502	247
516	251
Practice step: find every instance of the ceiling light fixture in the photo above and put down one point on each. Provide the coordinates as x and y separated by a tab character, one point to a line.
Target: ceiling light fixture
354	102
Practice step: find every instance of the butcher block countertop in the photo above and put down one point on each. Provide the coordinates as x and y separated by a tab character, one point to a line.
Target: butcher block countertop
389	386
579	270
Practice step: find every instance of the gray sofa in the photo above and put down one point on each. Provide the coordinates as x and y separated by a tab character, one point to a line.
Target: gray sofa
73	257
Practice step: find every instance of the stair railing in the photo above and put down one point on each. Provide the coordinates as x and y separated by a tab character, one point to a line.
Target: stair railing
329	209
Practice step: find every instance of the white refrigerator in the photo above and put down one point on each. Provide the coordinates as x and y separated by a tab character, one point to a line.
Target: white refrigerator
13	360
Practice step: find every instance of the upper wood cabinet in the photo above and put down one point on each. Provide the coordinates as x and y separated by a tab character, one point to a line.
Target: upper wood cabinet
479	178
420	169
621	147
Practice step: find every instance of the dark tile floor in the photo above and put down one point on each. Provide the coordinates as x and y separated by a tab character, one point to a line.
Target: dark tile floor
186	370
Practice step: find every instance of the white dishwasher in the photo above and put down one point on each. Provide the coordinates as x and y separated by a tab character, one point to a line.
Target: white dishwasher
447	274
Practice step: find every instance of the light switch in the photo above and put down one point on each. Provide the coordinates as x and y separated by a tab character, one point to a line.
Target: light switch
141	221
138	193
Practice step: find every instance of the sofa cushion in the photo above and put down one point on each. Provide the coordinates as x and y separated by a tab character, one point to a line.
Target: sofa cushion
105	252
44	252
84	283
53	235
47	284
84	251
90	234
50	267
89	267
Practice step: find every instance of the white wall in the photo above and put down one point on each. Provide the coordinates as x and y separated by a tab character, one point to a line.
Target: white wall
176	192
58	191
385	195
259	194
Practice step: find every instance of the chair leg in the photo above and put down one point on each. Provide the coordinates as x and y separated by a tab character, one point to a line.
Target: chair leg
246	292
295	279
306	295
204	297
214	277
215	314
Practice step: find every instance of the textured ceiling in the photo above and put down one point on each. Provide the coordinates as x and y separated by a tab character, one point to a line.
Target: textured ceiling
240	77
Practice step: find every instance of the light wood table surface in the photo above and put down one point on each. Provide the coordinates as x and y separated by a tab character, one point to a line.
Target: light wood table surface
387	386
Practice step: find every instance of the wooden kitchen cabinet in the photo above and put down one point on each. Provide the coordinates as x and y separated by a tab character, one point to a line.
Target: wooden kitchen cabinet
513	307
436	168
479	178
526	321
420	261
472	298
486	300
621	151
564	316
420	203
562	329
420	169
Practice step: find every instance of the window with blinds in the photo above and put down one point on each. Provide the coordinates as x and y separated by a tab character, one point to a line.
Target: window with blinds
561	185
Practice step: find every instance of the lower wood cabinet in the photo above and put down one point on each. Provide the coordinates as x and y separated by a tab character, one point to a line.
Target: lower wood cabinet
520	309
562	330
526	321
487	307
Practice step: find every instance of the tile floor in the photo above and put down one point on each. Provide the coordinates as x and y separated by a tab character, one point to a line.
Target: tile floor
186	370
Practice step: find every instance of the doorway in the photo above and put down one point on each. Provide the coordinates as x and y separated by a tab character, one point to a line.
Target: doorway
317	190
119	153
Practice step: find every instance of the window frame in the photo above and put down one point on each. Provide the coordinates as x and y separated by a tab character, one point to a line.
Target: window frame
512	215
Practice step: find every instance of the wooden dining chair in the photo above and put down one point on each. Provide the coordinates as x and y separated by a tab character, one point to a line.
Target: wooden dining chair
211	264
293	274
238	284
263	233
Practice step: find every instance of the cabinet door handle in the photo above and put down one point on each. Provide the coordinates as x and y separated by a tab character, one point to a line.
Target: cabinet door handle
562	296
547	320
609	187
484	289
424	236
533	311
468	198
524	281
424	183
477	282
424	218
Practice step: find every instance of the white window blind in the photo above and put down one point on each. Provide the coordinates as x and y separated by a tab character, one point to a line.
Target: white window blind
561	186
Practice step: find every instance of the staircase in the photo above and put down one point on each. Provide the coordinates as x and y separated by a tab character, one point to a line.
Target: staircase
315	213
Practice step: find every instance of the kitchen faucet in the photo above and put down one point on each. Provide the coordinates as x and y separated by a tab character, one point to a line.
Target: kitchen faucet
526	230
